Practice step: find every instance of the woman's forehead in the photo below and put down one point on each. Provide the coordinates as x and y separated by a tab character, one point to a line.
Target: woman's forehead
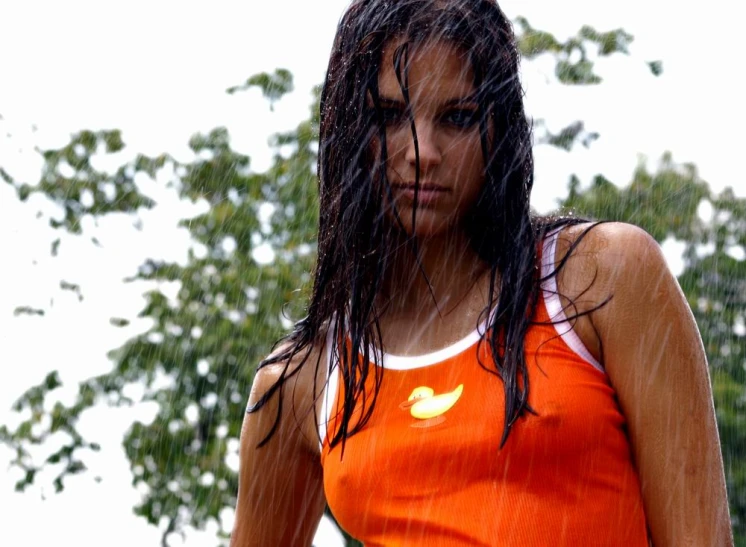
427	47
432	67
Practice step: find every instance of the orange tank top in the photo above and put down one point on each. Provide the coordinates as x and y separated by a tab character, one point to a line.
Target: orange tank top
427	468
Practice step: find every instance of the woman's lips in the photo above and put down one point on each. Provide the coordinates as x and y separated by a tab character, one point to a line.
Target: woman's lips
426	192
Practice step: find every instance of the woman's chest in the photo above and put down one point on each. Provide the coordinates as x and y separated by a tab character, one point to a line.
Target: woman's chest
438	431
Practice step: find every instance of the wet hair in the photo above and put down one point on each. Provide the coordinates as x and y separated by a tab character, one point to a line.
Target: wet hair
354	236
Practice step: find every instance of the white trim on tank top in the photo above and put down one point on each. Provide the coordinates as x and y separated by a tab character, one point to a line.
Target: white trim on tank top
330	389
553	305
409	362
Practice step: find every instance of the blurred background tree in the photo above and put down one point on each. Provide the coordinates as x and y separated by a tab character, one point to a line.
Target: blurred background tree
250	279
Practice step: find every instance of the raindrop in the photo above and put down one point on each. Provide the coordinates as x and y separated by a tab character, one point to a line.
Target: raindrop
263	254
736	252
740	326
109	190
191	413
86	198
705	211
155	337
209	400
228	244
203	367
207	479
199	250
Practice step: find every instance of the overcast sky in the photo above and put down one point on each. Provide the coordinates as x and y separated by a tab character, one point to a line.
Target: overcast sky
158	71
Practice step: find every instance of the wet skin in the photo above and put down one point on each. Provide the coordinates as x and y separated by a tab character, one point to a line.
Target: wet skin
446	117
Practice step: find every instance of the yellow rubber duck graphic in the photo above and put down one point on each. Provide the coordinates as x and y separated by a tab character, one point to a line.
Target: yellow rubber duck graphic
423	404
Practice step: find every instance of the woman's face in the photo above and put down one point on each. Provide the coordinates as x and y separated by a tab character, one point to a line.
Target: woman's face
446	117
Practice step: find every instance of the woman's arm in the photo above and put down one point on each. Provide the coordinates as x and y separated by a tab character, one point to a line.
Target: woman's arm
654	357
280	489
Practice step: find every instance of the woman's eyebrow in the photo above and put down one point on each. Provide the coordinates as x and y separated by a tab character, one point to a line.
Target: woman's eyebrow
469	100
388	101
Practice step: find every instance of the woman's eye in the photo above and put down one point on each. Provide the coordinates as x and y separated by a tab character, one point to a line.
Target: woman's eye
461	117
392	115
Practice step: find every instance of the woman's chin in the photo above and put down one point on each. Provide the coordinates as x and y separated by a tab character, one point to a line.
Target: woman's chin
425	228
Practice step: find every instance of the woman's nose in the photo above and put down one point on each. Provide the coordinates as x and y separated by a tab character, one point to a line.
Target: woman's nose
427	145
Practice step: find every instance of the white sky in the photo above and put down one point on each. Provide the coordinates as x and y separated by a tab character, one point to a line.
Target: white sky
158	71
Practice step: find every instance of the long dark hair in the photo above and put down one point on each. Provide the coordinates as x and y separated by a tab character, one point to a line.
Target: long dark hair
354	239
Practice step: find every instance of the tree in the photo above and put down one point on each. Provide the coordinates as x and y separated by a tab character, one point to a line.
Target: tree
233	303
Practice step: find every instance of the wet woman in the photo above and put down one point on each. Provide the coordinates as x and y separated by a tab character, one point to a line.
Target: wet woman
469	373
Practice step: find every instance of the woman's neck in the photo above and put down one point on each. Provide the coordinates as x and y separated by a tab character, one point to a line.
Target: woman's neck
441	280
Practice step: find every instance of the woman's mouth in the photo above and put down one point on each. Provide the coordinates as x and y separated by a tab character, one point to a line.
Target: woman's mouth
427	192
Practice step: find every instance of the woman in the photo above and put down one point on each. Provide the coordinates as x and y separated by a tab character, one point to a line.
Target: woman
475	374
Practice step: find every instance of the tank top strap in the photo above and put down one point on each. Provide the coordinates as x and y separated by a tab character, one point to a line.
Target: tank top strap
552	303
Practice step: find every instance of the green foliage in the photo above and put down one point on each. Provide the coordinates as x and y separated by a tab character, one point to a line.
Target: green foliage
532	43
205	344
573	67
28	310
70	180
62	419
568	136
663	203
656	67
273	86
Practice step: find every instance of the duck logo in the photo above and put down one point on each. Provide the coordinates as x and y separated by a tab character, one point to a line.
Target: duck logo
427	407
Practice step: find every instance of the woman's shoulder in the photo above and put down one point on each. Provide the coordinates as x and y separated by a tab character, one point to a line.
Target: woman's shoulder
607	253
617	267
280	487
598	266
301	376
297	368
